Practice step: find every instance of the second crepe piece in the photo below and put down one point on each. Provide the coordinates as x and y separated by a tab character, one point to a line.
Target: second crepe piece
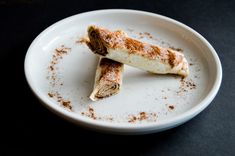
108	79
116	45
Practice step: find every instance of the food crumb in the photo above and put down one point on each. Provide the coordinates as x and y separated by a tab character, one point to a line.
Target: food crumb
171	107
66	104
143	115
51	67
50	95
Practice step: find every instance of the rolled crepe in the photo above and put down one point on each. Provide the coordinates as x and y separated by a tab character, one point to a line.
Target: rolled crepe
108	79
121	48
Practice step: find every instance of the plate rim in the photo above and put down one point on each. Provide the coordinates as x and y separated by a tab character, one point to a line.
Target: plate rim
126	127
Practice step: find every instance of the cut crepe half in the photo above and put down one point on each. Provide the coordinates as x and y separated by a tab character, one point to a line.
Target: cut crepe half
108	79
116	45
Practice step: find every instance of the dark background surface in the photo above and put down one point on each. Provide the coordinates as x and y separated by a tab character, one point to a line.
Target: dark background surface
27	125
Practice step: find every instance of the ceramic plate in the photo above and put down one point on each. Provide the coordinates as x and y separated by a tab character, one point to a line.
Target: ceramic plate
60	70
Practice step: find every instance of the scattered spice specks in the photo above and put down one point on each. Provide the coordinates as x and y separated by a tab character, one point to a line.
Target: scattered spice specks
186	85
90	113
60	99
142	116
56	57
54	81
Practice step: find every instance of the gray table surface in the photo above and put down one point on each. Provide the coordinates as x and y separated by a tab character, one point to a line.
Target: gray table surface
26	122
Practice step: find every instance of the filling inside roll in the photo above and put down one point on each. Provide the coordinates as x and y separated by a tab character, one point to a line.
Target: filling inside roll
95	43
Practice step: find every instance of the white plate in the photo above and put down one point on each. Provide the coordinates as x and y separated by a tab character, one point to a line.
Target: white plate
165	100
